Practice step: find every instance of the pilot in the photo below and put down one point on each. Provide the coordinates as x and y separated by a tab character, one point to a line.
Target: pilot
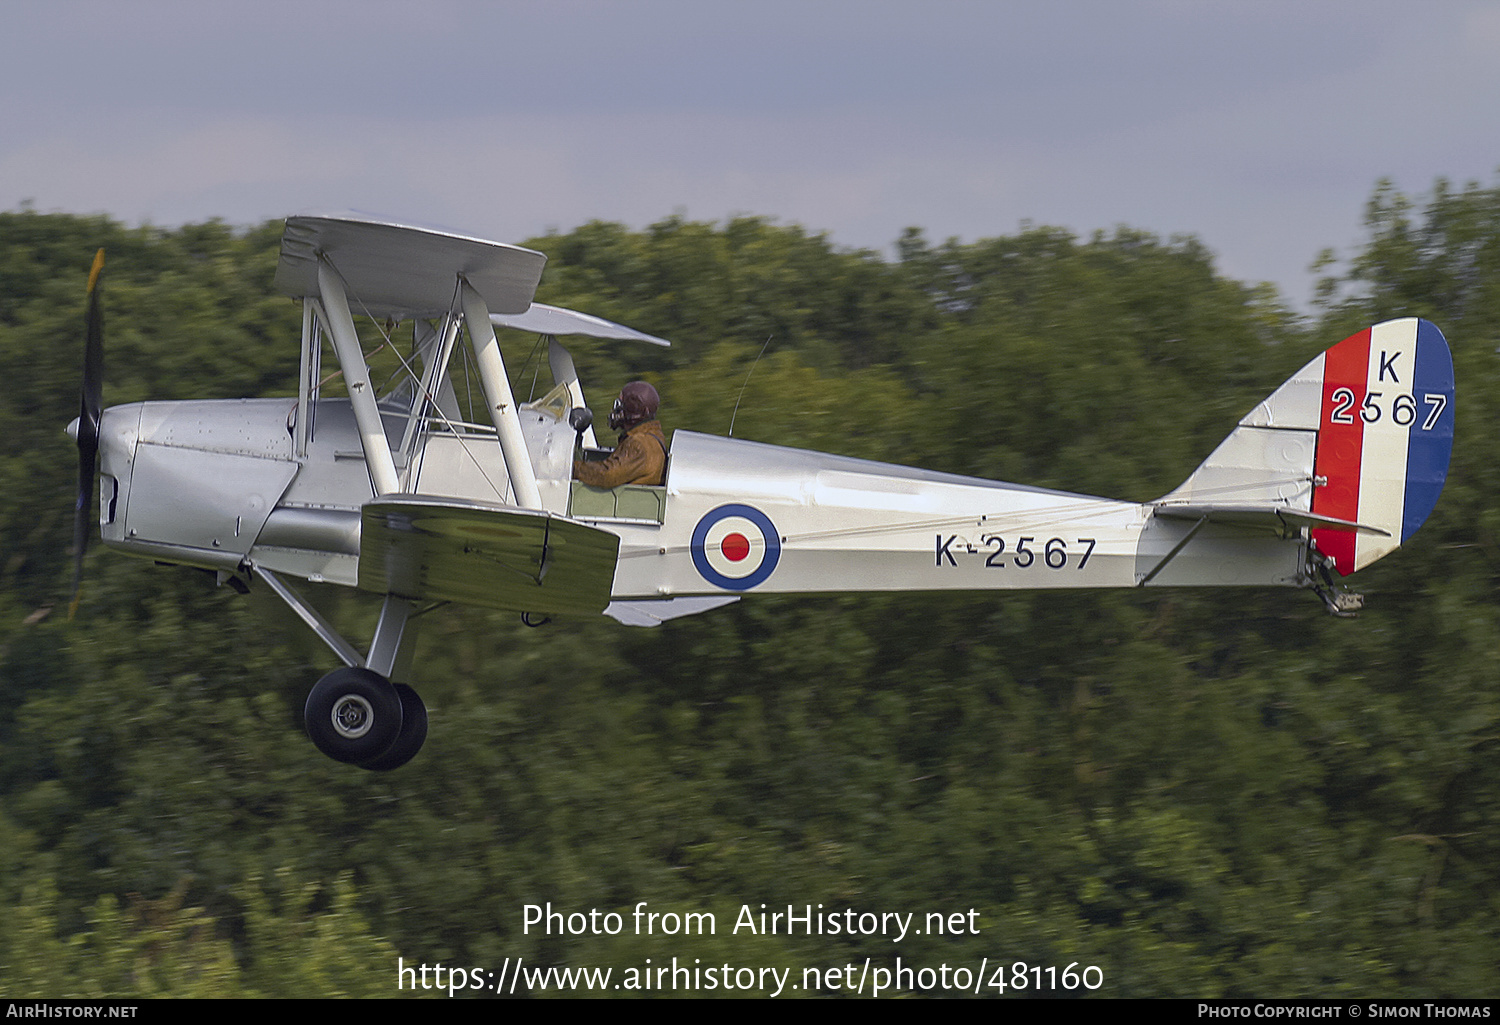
640	456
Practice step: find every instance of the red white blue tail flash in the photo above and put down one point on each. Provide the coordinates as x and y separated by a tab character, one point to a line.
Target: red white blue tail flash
1385	433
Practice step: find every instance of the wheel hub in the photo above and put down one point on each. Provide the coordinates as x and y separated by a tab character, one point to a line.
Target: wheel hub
352	716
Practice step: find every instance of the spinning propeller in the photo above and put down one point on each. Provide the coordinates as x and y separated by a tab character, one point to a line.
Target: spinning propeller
90	408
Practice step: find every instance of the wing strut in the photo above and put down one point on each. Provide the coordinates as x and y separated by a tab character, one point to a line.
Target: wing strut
498	397
564	373
378	457
434	392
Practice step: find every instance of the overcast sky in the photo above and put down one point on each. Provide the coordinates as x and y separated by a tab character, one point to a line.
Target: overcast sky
1260	126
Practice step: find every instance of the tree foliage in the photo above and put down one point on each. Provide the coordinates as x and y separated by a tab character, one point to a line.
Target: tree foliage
1204	794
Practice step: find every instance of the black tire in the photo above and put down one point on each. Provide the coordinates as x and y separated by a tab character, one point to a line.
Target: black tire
353	715
413	733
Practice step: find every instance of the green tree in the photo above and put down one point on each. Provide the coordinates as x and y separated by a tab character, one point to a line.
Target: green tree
1202	793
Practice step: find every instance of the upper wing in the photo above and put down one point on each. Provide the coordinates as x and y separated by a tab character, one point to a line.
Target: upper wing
404	269
554	320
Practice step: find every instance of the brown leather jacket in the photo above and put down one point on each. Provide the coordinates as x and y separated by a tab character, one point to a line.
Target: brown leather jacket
639	458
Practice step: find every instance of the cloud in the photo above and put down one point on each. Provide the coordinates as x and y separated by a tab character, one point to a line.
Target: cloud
1261	128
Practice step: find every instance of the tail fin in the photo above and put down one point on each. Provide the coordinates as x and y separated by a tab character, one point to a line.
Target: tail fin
1357	442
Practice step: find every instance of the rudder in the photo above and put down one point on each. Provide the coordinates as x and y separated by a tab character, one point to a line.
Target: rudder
1385	435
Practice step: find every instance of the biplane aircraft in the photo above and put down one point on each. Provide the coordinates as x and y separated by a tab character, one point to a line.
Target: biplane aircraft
401	495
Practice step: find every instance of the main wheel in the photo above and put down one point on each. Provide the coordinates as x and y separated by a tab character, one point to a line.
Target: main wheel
413	733
353	715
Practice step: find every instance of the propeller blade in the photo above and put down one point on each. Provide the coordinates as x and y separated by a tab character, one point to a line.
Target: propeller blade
90	409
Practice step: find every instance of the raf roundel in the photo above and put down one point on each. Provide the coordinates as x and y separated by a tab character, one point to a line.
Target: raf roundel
736	547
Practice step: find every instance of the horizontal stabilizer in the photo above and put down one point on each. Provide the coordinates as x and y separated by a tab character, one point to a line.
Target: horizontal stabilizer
499	557
1274	517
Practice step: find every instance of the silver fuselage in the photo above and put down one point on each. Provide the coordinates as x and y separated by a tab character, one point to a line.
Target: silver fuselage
217	484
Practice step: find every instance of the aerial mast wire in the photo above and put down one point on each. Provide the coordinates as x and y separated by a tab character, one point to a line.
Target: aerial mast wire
747	383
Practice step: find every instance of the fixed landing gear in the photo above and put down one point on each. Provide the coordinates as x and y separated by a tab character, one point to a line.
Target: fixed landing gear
355	715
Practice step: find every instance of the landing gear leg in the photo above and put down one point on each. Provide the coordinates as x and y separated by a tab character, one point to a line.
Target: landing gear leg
356	714
389	655
390	631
